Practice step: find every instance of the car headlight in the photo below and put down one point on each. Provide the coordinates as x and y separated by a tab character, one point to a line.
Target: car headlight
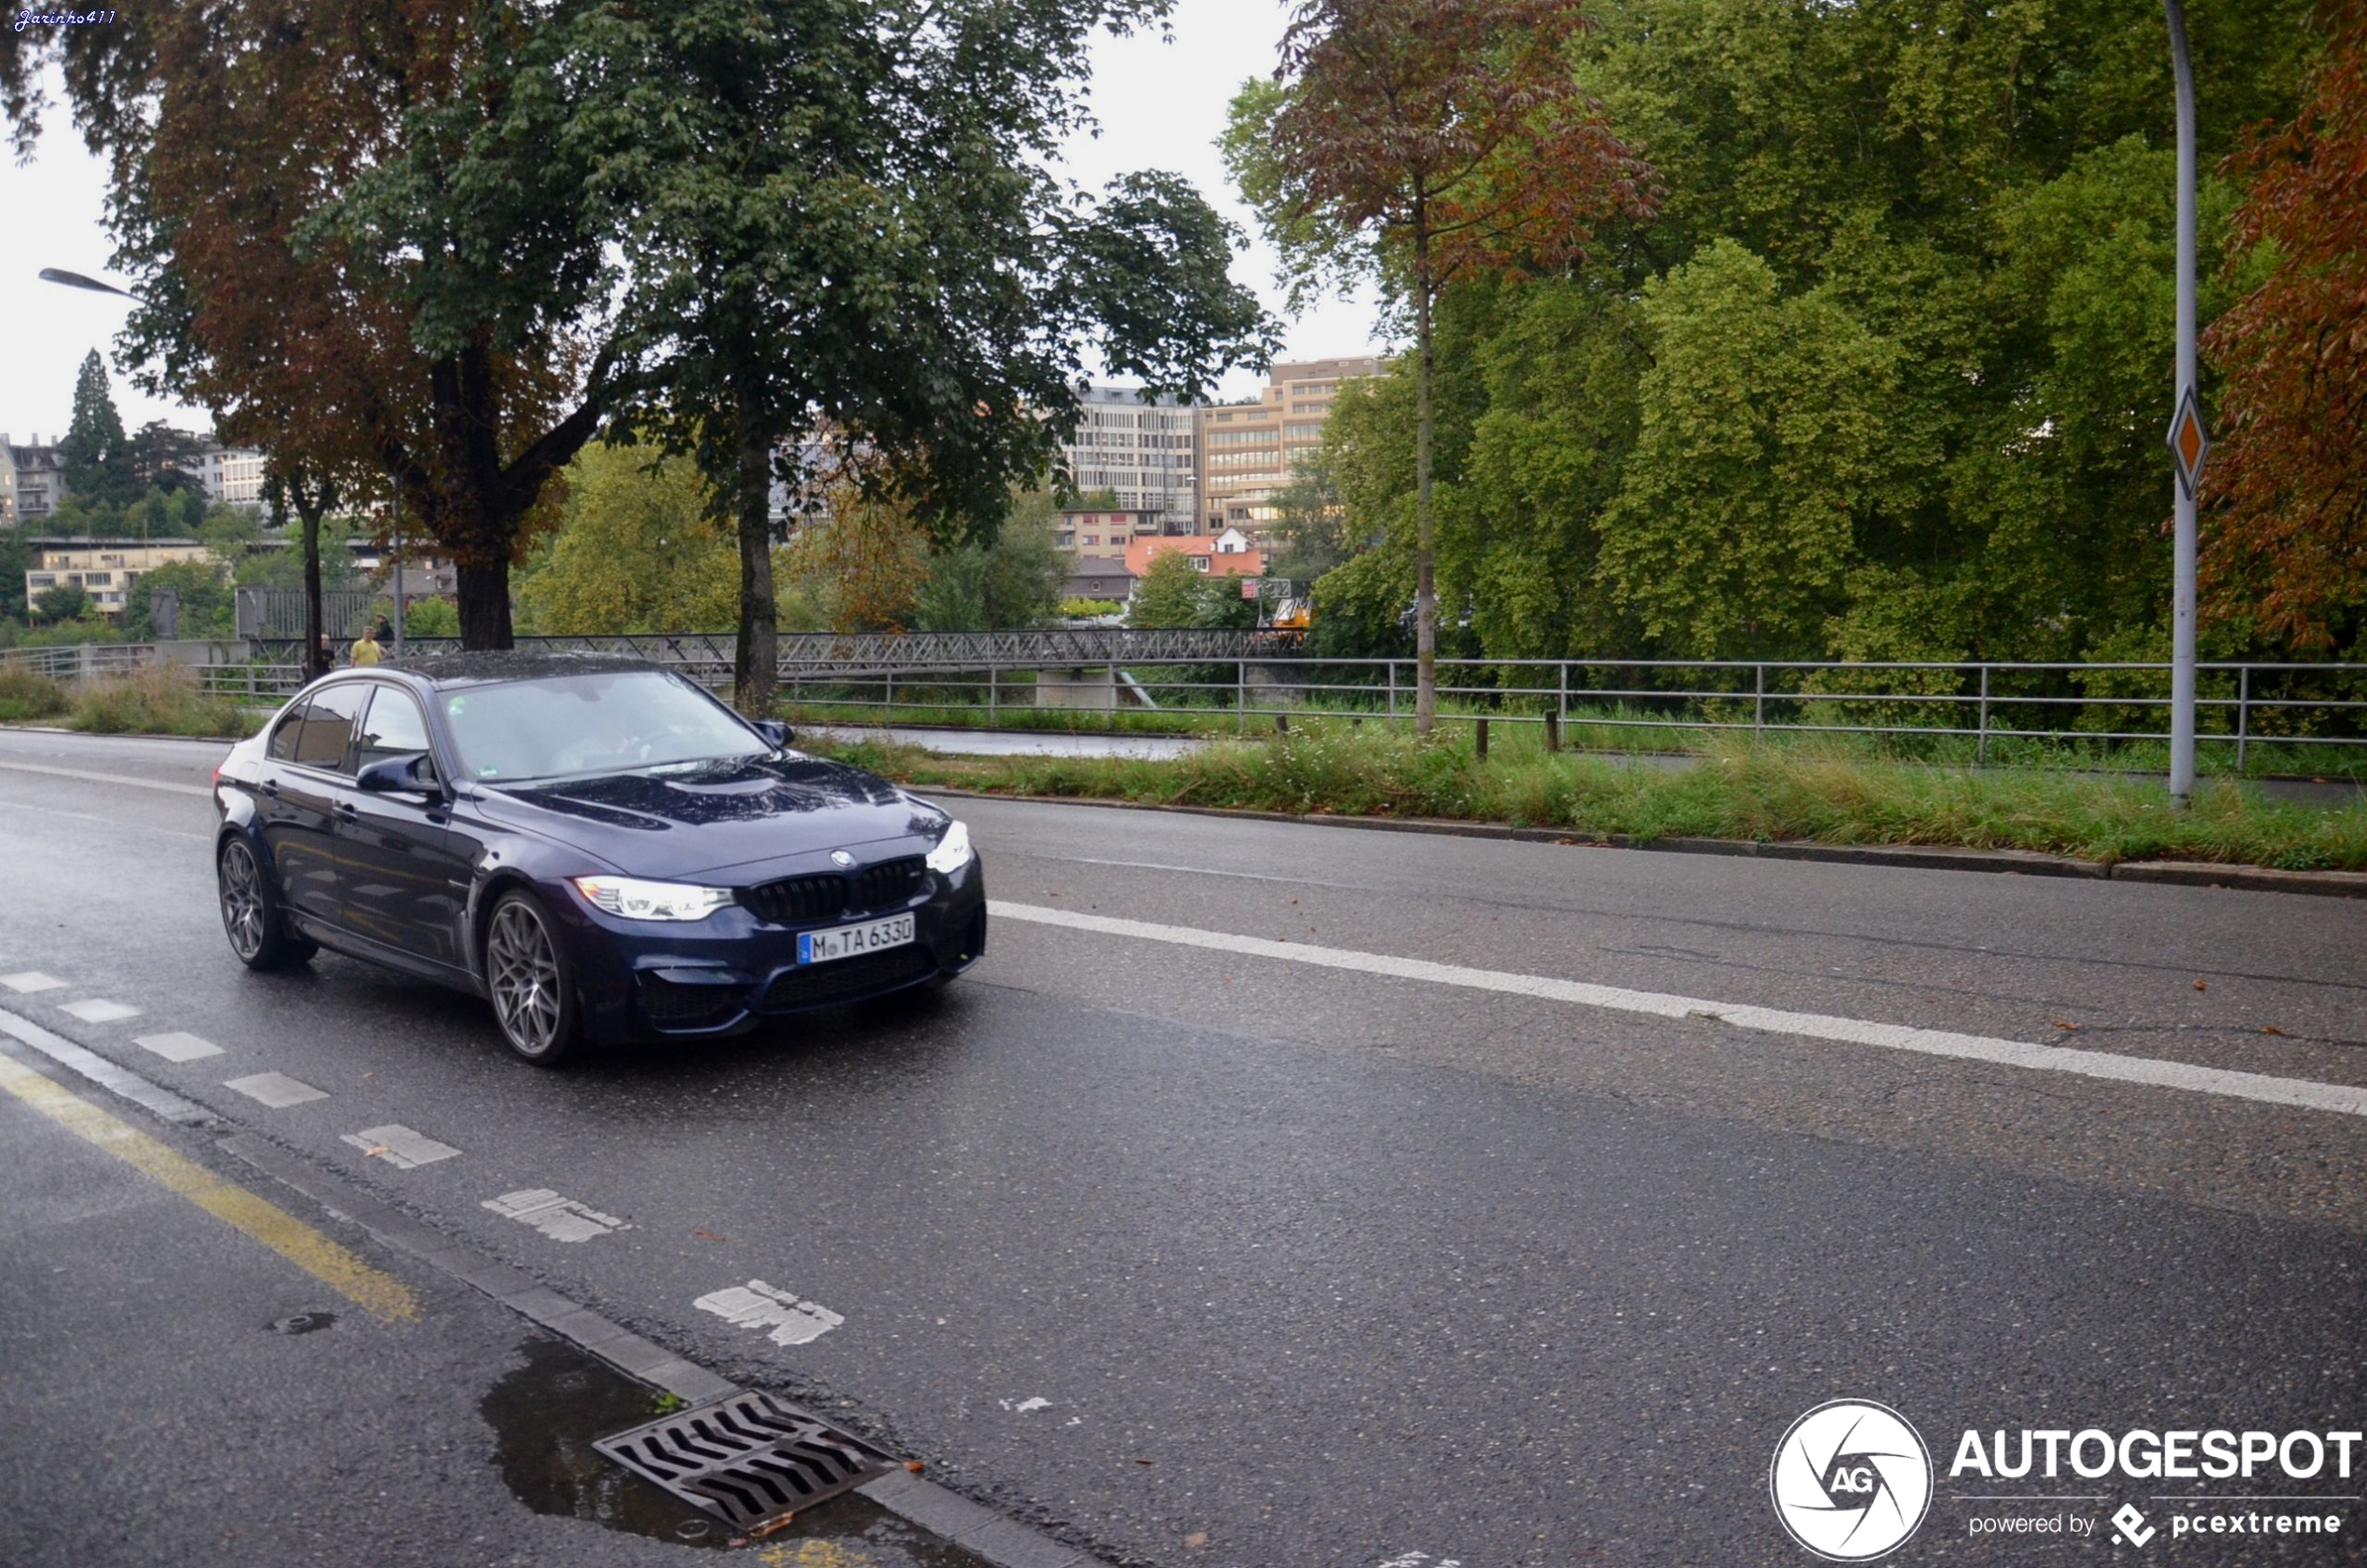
638	900
953	851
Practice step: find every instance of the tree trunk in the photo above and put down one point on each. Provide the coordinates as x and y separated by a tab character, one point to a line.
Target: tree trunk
316	662
756	659
484	605
1425	566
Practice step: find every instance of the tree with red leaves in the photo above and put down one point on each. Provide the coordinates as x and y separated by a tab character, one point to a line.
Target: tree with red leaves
1427	141
2288	486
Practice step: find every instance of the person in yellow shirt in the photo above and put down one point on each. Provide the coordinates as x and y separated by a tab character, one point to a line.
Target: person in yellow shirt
365	647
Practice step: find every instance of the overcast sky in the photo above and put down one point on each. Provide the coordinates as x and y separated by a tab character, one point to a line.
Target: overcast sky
1161	105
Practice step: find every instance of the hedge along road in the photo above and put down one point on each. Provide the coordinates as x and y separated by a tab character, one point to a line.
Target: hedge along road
1209	1257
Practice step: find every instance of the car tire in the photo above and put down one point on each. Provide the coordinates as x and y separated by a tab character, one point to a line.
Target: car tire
529	981
251	914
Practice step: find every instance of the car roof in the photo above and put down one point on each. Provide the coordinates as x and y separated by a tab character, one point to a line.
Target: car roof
445	668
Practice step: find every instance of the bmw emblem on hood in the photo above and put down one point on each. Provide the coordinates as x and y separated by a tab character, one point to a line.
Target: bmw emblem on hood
839	857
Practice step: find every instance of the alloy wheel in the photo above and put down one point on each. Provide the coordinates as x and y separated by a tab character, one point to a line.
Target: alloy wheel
243	916
524	973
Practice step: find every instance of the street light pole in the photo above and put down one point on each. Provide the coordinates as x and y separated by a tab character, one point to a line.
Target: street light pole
2182	667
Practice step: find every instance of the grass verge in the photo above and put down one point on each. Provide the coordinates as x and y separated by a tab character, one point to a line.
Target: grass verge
27	694
156	700
1801	791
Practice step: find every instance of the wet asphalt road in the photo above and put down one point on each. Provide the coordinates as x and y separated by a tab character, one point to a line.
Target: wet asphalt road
1197	1257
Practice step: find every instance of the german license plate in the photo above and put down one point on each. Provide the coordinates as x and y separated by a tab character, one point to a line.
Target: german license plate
821	947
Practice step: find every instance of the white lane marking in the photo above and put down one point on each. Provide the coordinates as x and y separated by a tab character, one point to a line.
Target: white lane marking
400	1147
98	1010
274	1089
1037	1403
2344	1099
758	1305
31	980
106	1074
178	1047
108	778
560	1219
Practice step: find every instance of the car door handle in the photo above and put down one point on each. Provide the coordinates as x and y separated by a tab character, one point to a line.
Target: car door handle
345	813
271	788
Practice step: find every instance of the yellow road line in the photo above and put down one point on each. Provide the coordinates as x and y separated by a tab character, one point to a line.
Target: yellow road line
375	1291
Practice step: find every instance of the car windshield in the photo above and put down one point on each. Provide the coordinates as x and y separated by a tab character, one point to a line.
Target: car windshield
571	725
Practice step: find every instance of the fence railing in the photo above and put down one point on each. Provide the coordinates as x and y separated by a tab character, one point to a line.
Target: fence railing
2240	706
1230	679
265	680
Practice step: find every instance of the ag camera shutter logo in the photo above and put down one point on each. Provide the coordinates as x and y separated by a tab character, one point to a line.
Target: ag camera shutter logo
1851	1480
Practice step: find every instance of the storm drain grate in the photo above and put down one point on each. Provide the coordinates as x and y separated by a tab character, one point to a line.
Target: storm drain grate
746	1459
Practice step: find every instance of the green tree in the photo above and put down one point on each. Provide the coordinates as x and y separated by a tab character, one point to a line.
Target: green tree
638	550
839	216
16	559
200	588
1760	439
94	458
1013	581
60	602
1168	593
1424	141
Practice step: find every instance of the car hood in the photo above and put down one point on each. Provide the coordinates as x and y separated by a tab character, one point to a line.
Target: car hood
711	817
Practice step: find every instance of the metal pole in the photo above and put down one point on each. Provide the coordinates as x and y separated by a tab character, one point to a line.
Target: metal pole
2181	671
1981	748
2243	713
1758	702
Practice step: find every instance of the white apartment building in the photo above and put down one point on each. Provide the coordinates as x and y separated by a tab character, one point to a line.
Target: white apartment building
231	475
1141	451
32	482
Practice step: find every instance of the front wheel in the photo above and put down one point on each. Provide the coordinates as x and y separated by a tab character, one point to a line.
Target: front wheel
250	916
526	973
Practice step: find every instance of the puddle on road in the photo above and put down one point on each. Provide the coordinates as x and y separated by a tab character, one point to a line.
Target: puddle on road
546	1414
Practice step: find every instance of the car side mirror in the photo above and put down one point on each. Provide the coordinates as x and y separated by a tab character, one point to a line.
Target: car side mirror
775	731
408	774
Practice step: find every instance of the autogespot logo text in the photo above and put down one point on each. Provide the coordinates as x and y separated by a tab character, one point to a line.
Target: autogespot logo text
1851	1480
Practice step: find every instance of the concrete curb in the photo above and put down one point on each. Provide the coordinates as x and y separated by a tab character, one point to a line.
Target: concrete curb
996	1537
1921	857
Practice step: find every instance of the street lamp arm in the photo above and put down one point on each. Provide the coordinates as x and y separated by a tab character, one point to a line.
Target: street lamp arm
76	280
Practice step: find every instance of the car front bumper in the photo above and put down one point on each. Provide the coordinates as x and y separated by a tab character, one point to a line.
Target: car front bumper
724	974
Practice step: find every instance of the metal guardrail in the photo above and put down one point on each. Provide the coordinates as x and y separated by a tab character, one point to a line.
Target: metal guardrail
1245	676
262	680
2242	704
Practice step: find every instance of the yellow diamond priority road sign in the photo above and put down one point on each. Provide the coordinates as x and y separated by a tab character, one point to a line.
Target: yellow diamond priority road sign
2189	441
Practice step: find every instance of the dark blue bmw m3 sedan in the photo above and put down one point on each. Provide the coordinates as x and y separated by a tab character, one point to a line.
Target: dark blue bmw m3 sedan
595	845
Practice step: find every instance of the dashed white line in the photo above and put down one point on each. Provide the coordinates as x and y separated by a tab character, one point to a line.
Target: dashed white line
400	1147
560	1219
177	1047
275	1089
98	1010
2342	1099
88	777
758	1305
31	980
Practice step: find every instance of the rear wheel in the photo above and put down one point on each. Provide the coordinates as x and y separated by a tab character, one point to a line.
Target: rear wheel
526	973
251	915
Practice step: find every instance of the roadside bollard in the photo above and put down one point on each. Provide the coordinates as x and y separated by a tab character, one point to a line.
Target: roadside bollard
1483	739
1281	724
1553	731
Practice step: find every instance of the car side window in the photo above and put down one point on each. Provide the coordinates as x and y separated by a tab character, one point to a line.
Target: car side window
328	726
283	738
394	728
